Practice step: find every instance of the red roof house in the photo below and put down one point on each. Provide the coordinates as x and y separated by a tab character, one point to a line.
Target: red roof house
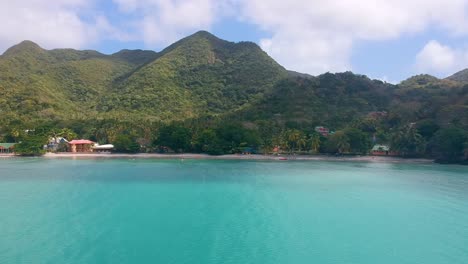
81	145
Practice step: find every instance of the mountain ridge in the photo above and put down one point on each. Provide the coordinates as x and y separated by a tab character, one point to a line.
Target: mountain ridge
205	94
199	75
460	76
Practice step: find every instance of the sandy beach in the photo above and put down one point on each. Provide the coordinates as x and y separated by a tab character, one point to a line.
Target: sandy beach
231	157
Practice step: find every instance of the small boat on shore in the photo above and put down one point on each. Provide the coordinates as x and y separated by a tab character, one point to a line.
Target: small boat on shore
282	158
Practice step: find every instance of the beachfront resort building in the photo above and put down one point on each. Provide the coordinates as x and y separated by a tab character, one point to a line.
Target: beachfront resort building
7	148
87	146
383	150
80	146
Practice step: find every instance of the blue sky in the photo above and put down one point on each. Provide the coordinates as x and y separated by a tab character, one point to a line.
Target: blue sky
384	39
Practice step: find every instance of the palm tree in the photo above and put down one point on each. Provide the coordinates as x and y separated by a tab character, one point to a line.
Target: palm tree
315	142
15	133
67	133
408	142
294	139
342	143
338	142
302	142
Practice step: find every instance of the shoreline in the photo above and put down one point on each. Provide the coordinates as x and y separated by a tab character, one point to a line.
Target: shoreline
256	157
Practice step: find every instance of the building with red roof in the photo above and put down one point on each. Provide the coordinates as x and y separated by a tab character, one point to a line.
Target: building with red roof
81	145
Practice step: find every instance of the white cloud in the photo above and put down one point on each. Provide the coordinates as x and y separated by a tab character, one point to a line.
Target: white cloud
103	29
310	52
53	24
164	21
311	36
316	36
439	59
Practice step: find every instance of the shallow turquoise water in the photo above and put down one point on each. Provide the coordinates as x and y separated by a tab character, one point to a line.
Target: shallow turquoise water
172	211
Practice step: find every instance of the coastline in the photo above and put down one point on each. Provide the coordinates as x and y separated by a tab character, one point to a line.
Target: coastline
257	157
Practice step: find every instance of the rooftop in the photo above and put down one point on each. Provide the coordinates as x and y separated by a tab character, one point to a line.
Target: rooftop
381	148
80	141
7	145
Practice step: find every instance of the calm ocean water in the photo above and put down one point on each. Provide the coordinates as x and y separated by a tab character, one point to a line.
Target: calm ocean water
172	211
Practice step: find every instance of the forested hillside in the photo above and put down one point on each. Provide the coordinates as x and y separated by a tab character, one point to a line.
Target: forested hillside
198	75
204	94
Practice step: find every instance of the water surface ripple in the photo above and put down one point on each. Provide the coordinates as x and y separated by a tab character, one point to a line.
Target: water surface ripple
192	211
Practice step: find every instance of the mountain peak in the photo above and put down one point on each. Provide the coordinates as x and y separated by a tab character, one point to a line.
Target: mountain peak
201	39
427	81
419	80
28	44
203	33
461	76
24	46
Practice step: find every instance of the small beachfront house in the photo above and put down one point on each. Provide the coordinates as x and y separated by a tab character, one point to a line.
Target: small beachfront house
7	147
382	150
81	146
249	151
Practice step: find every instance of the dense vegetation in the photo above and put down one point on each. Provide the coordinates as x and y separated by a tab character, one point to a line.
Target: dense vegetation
204	94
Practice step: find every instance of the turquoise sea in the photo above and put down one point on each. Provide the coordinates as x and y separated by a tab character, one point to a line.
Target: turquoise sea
192	211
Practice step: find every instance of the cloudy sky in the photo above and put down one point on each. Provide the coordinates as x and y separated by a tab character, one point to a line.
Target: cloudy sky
385	39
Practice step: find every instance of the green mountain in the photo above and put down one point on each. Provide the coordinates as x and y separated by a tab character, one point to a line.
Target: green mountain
38	84
198	75
202	75
218	96
330	99
426	97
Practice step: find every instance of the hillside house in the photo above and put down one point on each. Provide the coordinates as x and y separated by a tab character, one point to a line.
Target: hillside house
322	131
